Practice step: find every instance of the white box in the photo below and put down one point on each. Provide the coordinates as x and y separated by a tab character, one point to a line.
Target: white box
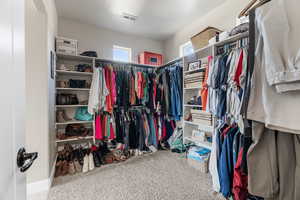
66	46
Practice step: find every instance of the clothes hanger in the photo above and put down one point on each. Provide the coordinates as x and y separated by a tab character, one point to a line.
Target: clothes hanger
247	8
252	5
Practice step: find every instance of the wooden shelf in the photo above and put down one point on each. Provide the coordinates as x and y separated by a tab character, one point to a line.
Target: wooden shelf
75	139
74	89
74	122
73	73
205	144
70	106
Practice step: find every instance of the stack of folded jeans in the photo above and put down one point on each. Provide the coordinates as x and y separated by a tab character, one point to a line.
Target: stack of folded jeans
194	80
201	117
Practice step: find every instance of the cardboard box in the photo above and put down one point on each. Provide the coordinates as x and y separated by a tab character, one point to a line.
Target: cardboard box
201	39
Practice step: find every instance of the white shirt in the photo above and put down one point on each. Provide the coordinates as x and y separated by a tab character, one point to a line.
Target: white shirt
279	111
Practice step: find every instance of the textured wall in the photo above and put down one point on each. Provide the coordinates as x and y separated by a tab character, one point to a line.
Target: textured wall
102	40
222	17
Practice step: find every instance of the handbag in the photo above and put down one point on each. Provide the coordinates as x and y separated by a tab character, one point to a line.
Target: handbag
89	54
75	130
84	68
83	115
66	99
77	83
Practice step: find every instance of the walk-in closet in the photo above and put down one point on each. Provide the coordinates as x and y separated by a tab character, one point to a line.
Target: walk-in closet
150	100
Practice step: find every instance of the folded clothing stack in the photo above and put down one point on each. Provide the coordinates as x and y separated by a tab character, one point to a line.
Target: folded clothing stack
201	117
194	79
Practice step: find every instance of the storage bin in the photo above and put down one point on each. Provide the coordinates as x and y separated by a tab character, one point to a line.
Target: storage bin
149	58
201	39
198	157
201	166
66	46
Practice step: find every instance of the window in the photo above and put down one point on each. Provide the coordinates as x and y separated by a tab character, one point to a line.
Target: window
121	53
186	49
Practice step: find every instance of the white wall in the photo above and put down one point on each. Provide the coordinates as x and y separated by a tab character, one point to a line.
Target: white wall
222	17
52	33
40	29
36	90
102	40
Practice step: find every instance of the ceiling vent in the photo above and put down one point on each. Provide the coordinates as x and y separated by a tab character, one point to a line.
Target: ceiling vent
129	16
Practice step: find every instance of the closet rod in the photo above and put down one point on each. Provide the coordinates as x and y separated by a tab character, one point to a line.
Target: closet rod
124	63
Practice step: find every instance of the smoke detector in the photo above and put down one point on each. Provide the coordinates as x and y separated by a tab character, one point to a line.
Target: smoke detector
129	16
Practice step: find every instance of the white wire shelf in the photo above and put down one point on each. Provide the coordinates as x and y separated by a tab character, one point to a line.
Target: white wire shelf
74	122
75	139
74	89
189	105
77	58
202	127
195	70
74	73
70	106
232	39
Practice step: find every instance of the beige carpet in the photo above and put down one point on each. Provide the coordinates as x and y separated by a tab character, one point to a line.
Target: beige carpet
159	176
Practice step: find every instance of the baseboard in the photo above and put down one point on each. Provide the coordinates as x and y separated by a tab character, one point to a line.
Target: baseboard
52	172
43	185
38	187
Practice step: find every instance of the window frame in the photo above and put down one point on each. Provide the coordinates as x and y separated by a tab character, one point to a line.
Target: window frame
181	54
129	50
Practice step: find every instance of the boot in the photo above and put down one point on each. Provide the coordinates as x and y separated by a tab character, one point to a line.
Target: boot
72	169
85	167
77	165
58	169
91	162
65	168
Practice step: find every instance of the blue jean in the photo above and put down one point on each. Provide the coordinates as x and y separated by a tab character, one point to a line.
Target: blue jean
176	99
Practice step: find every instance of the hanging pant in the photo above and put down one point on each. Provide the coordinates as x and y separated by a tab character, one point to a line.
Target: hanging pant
274	164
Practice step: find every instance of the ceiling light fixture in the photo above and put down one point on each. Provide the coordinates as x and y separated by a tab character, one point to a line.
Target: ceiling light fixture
129	16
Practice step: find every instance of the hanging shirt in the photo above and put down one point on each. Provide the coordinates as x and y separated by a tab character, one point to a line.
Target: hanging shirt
279	111
98	91
279	27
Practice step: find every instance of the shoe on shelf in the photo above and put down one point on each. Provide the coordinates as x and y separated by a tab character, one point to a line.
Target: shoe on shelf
77	166
61	136
85	167
72	169
65	168
61	116
58	168
97	159
91	162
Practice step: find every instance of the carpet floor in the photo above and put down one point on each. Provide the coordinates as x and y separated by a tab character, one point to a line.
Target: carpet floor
159	176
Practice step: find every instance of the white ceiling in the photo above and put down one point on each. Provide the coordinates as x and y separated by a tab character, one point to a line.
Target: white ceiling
157	19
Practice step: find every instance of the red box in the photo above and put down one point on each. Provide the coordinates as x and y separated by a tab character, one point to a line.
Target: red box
149	58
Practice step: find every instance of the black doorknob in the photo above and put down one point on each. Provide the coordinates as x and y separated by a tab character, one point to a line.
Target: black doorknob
25	160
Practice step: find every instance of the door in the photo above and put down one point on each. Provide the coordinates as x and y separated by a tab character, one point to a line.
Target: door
12	102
